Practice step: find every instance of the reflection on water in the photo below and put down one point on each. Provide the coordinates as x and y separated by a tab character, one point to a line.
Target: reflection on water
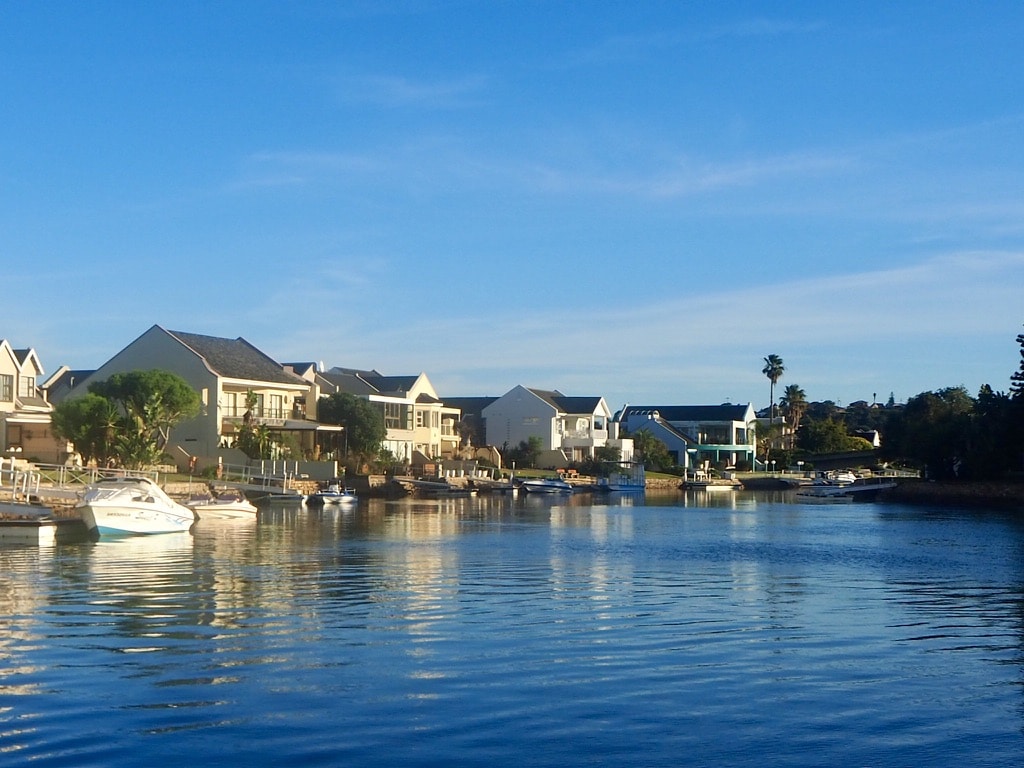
732	628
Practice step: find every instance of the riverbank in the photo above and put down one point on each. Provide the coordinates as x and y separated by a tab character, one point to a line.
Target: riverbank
959	494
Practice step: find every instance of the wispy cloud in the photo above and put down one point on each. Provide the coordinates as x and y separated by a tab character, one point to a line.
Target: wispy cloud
288	168
396	91
700	346
624	47
686	176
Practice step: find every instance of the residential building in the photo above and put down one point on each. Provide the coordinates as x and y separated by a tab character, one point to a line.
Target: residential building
25	429
722	435
570	428
416	419
235	381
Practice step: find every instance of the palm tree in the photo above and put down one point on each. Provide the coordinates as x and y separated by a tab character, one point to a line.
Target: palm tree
794	405
773	369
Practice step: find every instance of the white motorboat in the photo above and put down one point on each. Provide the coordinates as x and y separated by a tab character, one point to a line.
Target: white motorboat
132	505
546	485
225	506
333	494
824	494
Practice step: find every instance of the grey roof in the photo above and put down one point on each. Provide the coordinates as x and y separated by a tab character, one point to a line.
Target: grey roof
685	413
348	381
62	385
565	404
469	406
391	385
577	404
236	359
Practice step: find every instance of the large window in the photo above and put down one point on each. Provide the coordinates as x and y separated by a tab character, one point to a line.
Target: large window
6	388
26	386
397	416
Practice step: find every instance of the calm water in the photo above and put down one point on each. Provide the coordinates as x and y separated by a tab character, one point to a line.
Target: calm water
525	632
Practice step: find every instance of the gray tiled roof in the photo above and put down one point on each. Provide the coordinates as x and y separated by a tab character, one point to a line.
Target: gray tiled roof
236	359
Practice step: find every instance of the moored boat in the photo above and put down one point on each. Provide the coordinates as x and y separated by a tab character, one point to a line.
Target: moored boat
132	505
332	494
222	507
823	494
546	485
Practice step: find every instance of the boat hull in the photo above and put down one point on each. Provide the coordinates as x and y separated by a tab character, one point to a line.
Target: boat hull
115	519
330	499
546	486
223	510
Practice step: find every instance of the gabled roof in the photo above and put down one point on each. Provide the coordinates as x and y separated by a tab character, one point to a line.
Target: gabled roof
577	404
392	385
655	425
63	381
236	359
687	413
358	382
564	404
348	381
25	356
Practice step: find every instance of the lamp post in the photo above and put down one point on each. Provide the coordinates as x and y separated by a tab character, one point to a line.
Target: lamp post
773	466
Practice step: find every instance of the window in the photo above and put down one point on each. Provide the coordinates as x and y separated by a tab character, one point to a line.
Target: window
276	406
397	416
6	388
26	386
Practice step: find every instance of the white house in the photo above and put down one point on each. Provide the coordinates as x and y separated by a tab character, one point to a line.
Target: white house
227	374
693	434
570	426
417	420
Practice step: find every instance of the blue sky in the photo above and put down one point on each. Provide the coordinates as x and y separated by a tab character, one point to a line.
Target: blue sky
634	200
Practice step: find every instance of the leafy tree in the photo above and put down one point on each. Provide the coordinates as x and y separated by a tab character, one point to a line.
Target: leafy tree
89	423
765	437
153	401
525	454
794	405
829	436
933	431
598	466
364	424
127	418
773	369
653	452
254	440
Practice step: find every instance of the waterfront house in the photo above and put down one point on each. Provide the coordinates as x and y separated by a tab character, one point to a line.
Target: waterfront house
569	428
722	435
235	381
417	420
25	430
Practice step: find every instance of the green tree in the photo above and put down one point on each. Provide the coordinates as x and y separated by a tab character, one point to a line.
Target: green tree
89	423
932	431
152	402
364	424
524	455
794	405
127	418
653	452
773	369
765	438
829	436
